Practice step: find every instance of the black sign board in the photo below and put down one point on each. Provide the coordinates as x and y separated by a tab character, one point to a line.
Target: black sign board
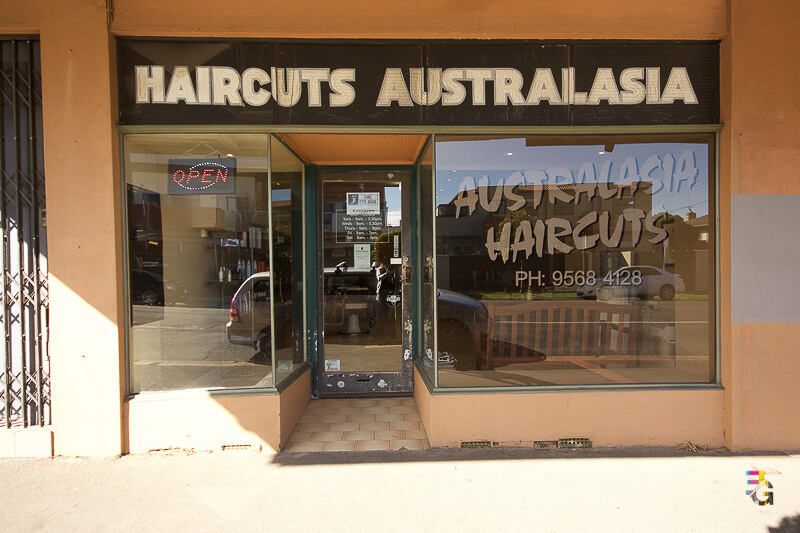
422	83
214	175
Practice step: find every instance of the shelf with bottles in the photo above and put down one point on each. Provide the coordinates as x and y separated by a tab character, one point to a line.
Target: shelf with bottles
237	256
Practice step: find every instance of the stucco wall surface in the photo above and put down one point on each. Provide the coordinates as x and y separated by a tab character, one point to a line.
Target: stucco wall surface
761	160
199	420
203	422
84	228
499	19
613	418
759	154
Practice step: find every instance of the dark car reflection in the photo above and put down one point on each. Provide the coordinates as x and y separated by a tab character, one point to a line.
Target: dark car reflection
347	291
149	288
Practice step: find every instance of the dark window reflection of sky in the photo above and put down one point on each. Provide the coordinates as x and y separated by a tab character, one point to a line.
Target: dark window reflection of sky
500	158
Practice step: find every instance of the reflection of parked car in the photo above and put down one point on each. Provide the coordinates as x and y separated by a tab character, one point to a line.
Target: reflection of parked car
639	281
151	289
346	291
249	323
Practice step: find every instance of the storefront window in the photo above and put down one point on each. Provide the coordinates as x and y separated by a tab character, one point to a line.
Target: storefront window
427	300
287	245
201	293
574	260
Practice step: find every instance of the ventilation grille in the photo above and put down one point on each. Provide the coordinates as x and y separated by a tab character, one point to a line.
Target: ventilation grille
575	442
240	447
476	444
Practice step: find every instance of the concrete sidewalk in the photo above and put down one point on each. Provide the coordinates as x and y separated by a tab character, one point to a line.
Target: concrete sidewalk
499	489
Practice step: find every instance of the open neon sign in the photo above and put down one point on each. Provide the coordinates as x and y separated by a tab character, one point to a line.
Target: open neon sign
202	176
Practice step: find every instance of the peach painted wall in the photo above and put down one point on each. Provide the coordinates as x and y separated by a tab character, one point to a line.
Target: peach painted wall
198	420
294	401
761	155
758	156
20	17
84	228
613	418
499	19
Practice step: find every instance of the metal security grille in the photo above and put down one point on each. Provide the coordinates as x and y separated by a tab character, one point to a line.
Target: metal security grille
25	370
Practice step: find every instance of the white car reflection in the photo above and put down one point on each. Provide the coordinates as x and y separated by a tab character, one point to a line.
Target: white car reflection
639	281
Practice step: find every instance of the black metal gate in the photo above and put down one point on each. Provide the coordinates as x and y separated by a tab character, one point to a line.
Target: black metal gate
25	371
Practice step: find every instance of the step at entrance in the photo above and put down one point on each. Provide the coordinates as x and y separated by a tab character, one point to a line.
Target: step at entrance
359	424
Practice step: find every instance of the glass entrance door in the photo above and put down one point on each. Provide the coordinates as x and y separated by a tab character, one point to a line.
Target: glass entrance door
366	282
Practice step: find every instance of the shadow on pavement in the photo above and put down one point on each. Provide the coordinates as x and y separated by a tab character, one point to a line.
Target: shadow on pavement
790	524
498	453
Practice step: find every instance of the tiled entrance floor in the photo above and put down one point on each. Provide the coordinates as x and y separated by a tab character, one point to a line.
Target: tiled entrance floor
359	424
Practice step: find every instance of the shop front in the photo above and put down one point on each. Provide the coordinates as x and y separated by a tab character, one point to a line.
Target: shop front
466	222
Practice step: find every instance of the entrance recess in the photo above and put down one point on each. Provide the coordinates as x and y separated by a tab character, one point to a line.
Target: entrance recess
367	272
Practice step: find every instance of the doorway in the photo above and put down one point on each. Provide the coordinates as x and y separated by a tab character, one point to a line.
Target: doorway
366	281
363	197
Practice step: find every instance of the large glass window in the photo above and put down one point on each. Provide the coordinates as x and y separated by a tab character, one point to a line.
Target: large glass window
287	251
208	294
574	260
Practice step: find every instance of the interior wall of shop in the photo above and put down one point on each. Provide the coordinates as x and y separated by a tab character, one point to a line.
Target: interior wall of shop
758	154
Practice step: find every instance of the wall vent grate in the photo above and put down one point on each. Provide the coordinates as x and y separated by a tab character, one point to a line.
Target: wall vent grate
476	444
240	447
575	442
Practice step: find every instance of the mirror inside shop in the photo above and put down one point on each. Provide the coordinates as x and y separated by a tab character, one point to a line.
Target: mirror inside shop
209	286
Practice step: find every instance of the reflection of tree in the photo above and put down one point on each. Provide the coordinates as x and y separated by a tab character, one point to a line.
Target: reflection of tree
384	247
251	213
515	218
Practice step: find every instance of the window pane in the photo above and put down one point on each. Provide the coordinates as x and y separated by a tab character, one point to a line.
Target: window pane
287	263
425	173
198	253
574	260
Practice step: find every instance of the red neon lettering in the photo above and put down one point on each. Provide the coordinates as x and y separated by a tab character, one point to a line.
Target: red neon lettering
207	172
192	174
222	175
175	176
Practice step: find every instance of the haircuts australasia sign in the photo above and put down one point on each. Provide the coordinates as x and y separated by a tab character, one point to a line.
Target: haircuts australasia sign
418	83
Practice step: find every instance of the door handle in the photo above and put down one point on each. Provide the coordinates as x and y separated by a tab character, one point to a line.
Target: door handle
427	271
408	273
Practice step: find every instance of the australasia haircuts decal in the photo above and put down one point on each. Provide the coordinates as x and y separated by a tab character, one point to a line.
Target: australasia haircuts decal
418	83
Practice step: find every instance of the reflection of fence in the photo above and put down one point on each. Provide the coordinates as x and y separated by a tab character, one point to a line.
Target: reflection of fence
530	331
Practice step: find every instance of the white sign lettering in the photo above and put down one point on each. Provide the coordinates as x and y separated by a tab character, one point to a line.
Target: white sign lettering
225	86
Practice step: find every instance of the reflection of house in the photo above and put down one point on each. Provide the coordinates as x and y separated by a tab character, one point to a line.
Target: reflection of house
466	234
687	251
